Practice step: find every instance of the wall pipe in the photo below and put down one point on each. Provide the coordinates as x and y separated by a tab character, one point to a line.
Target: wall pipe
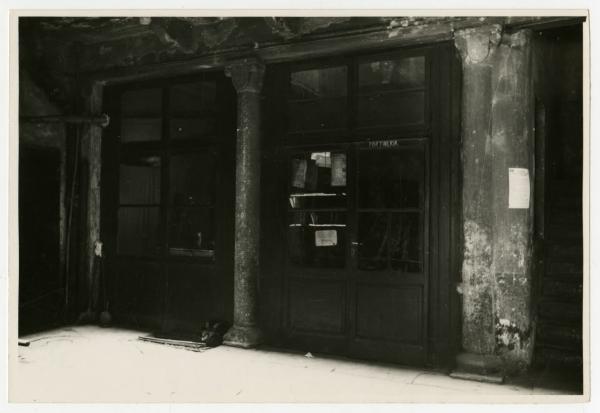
102	120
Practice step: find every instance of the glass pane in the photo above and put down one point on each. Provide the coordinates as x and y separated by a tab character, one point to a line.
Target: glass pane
318	99
317	239
193	97
139	180
380	109
192	177
392	74
317	115
406	242
138	231
192	128
191	232
141	103
318	180
140	129
373	238
391	178
319	83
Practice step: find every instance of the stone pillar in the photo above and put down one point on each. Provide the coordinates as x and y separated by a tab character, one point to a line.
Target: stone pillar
513	114
247	76
477	48
497	126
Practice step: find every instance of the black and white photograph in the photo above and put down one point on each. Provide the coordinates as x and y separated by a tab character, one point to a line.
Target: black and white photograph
299	207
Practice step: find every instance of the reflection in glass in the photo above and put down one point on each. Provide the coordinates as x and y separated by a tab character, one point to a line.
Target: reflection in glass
388	239
387	94
193	179
139	180
319	83
317	239
318	99
393	74
138	231
406	242
373	238
191	232
391	178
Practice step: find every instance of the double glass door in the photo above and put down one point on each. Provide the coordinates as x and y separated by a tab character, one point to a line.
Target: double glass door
356	274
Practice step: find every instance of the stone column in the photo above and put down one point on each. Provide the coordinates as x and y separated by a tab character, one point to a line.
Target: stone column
477	48
497	133
513	114
247	77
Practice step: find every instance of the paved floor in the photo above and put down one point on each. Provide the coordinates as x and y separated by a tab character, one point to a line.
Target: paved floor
91	364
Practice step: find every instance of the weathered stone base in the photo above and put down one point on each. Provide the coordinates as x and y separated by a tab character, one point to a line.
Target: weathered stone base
244	337
478	367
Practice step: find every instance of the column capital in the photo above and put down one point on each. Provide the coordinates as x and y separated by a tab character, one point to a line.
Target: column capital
477	44
246	74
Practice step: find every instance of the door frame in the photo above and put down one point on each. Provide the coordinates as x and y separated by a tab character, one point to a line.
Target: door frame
445	223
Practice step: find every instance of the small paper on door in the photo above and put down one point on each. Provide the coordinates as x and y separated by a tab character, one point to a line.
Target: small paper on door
298	173
326	238
338	169
518	188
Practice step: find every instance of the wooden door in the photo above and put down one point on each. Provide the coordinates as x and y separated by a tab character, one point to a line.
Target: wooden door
168	195
357	273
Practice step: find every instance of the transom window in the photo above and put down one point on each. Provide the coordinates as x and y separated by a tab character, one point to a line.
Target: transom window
370	92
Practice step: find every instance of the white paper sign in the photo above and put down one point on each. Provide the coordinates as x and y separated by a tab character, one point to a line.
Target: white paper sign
338	169
298	173
326	238
518	188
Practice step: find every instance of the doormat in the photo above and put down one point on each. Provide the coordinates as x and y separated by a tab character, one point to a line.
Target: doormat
197	346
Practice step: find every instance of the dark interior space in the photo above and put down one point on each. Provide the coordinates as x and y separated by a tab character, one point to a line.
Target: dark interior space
559	136
41	292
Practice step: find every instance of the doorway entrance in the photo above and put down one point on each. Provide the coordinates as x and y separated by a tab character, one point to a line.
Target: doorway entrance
368	230
356	246
168	192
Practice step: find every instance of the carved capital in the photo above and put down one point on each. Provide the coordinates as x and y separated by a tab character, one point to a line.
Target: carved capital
477	44
247	75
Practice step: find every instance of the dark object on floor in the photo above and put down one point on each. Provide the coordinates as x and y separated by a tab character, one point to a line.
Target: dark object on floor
210	336
213	333
24	343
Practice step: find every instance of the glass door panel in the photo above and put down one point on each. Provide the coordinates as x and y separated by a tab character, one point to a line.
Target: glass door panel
317	204
390	208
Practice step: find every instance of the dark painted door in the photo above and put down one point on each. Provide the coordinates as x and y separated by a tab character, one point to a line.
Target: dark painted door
357	273
168	202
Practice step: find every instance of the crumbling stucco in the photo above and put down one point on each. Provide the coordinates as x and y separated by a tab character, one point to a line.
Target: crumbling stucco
497	133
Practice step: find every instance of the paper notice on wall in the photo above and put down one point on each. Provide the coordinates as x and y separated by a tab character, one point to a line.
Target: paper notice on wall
326	238
518	188
298	173
338	169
